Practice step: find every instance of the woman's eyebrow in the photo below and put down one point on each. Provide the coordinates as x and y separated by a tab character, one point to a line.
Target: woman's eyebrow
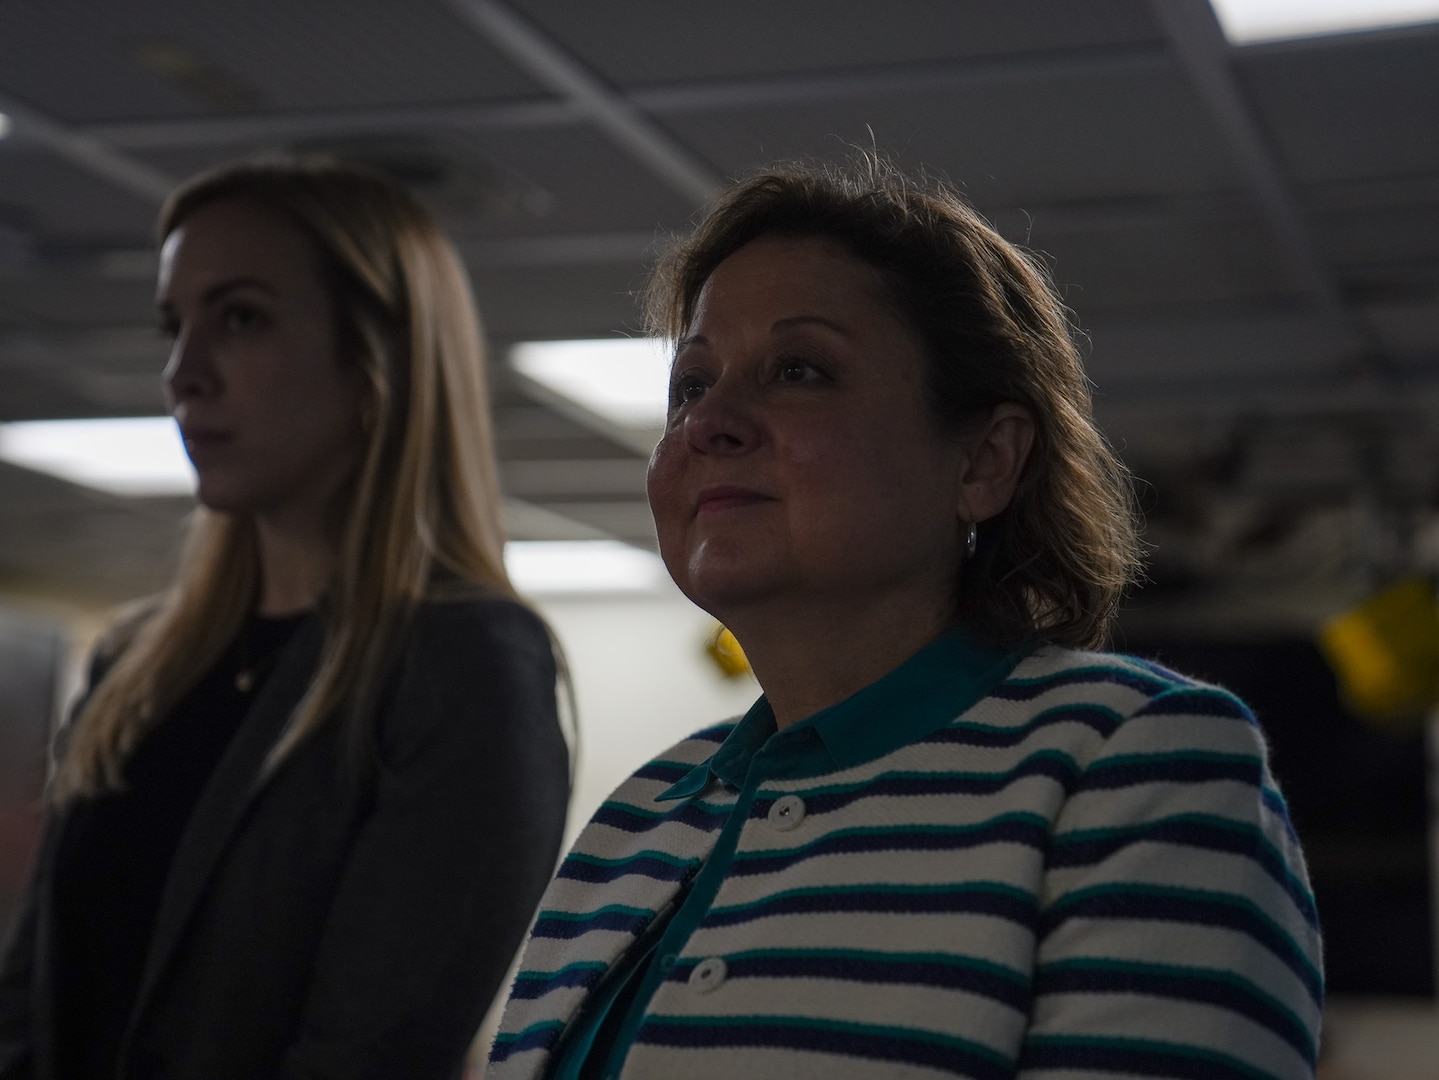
791	321
220	288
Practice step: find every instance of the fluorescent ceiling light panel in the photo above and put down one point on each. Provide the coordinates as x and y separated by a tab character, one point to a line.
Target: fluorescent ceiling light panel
559	567
1268	20
4	125
623	380
130	456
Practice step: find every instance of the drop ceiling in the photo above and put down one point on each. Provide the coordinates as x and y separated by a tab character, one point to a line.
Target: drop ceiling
1248	237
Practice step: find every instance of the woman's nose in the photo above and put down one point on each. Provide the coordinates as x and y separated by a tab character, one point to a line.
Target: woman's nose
188	371
724	420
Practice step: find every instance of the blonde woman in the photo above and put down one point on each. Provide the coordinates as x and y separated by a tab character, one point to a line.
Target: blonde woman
303	816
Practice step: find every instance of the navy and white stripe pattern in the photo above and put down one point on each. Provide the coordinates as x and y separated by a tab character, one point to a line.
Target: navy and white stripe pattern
1090	873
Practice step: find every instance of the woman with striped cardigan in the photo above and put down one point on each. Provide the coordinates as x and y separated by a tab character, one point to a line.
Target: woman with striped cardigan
950	839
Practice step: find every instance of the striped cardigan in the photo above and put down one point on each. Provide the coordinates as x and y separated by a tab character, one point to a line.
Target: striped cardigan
1090	872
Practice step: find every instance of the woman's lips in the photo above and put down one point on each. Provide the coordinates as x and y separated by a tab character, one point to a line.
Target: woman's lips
718	499
203	442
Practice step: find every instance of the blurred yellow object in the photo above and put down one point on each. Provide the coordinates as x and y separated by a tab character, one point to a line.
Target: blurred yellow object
725	651
1386	652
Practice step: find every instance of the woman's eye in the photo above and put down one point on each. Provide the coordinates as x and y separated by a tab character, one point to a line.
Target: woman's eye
795	370
239	317
688	388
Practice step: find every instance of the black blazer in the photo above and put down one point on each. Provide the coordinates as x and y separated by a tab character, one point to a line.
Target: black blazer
315	927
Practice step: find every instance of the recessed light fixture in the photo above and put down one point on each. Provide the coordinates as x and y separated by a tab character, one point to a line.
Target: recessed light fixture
125	456
620	383
560	567
1248	21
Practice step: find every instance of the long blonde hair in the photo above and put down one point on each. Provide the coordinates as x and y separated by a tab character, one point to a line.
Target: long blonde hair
422	516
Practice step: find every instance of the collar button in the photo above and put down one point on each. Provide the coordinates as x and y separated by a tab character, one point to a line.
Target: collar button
786	812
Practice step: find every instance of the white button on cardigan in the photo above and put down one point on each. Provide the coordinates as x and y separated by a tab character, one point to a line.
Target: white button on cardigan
786	813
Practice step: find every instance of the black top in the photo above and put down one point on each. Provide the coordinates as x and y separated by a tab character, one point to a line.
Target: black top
319	920
111	866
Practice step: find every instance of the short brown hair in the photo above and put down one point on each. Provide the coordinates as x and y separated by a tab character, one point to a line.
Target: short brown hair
1055	563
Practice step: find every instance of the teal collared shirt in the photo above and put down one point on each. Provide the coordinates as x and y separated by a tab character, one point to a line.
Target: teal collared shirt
925	693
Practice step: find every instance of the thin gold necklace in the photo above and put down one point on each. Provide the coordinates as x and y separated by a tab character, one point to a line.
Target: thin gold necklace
251	670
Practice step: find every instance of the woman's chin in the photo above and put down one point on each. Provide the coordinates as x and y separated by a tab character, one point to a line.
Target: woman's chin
224	498
212	500
726	594
218	498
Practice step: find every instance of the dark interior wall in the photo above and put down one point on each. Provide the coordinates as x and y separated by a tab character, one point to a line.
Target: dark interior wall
31	653
1358	797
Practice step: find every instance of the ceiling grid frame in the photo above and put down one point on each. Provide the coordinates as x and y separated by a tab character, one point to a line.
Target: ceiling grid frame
1199	43
1282	341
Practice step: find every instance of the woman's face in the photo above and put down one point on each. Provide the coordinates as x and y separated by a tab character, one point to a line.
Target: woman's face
268	408
800	463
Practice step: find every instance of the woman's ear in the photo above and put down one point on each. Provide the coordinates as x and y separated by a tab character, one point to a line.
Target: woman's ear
998	452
